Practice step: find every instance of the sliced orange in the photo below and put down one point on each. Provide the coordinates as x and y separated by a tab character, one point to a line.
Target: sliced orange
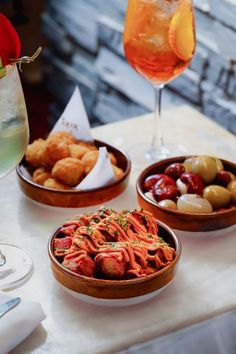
138	15
181	34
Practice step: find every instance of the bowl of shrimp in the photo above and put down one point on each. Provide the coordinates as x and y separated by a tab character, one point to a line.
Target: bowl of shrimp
53	167
114	258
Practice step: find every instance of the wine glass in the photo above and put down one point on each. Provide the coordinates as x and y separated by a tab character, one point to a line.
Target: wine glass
15	264
159	43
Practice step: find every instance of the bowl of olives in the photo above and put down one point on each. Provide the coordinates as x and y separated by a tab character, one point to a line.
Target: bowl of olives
190	193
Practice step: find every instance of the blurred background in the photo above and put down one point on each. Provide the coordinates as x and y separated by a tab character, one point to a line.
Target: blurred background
82	44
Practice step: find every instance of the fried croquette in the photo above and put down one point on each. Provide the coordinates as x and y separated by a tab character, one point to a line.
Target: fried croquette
117	171
78	151
52	151
63	136
54	184
62	161
90	158
87	145
32	152
40	175
69	171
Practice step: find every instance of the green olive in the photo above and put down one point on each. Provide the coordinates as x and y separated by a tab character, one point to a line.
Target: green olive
205	167
232	176
193	203
168	203
218	196
232	189
219	164
188	164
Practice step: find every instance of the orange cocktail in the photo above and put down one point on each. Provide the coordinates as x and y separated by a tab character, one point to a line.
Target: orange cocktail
159	38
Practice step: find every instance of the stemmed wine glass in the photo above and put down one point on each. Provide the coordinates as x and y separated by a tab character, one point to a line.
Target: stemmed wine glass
159	43
15	264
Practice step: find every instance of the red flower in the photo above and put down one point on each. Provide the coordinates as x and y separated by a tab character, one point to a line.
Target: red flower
10	44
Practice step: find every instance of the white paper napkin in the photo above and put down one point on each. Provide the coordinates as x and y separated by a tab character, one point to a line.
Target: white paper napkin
17	324
74	119
102	173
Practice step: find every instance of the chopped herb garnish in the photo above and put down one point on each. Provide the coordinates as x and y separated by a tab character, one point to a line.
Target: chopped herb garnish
96	220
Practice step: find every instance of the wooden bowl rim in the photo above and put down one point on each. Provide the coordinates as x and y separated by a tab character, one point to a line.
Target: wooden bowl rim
123	283
147	171
83	192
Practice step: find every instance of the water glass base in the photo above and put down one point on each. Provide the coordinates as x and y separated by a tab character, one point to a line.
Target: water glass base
143	155
16	268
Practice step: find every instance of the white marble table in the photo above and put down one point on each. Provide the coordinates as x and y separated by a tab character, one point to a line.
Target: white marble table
204	285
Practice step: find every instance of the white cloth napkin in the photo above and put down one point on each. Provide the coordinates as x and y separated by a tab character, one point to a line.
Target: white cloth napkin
18	323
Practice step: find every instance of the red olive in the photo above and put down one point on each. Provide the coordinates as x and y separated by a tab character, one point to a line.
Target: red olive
174	170
224	178
150	181
164	180
194	183
167	192
165	188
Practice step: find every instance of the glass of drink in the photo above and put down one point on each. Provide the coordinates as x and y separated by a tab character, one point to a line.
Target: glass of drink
15	264
159	43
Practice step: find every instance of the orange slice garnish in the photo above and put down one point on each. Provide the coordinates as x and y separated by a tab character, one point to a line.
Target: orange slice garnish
181	34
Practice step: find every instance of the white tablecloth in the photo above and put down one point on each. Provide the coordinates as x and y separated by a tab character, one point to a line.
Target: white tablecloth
204	285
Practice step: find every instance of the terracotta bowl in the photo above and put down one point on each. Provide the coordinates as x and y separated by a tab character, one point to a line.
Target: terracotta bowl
117	292
74	198
215	223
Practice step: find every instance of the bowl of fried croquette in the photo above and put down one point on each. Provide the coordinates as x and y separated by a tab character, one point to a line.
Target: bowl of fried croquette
53	167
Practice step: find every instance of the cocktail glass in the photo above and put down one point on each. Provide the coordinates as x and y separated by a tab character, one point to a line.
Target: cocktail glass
159	43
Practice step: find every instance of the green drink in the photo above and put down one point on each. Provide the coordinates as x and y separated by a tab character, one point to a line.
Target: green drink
14	132
13	142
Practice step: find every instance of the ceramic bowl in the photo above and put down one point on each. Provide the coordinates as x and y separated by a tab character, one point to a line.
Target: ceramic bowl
215	223
75	198
117	292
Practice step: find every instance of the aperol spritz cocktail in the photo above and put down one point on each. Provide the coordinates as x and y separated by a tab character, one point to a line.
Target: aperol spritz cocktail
159	43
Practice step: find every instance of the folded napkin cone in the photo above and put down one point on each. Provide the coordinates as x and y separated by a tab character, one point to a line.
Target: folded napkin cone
102	173
17	324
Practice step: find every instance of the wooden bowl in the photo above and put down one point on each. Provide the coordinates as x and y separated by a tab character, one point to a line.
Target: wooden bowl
178	220
75	198
117	292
